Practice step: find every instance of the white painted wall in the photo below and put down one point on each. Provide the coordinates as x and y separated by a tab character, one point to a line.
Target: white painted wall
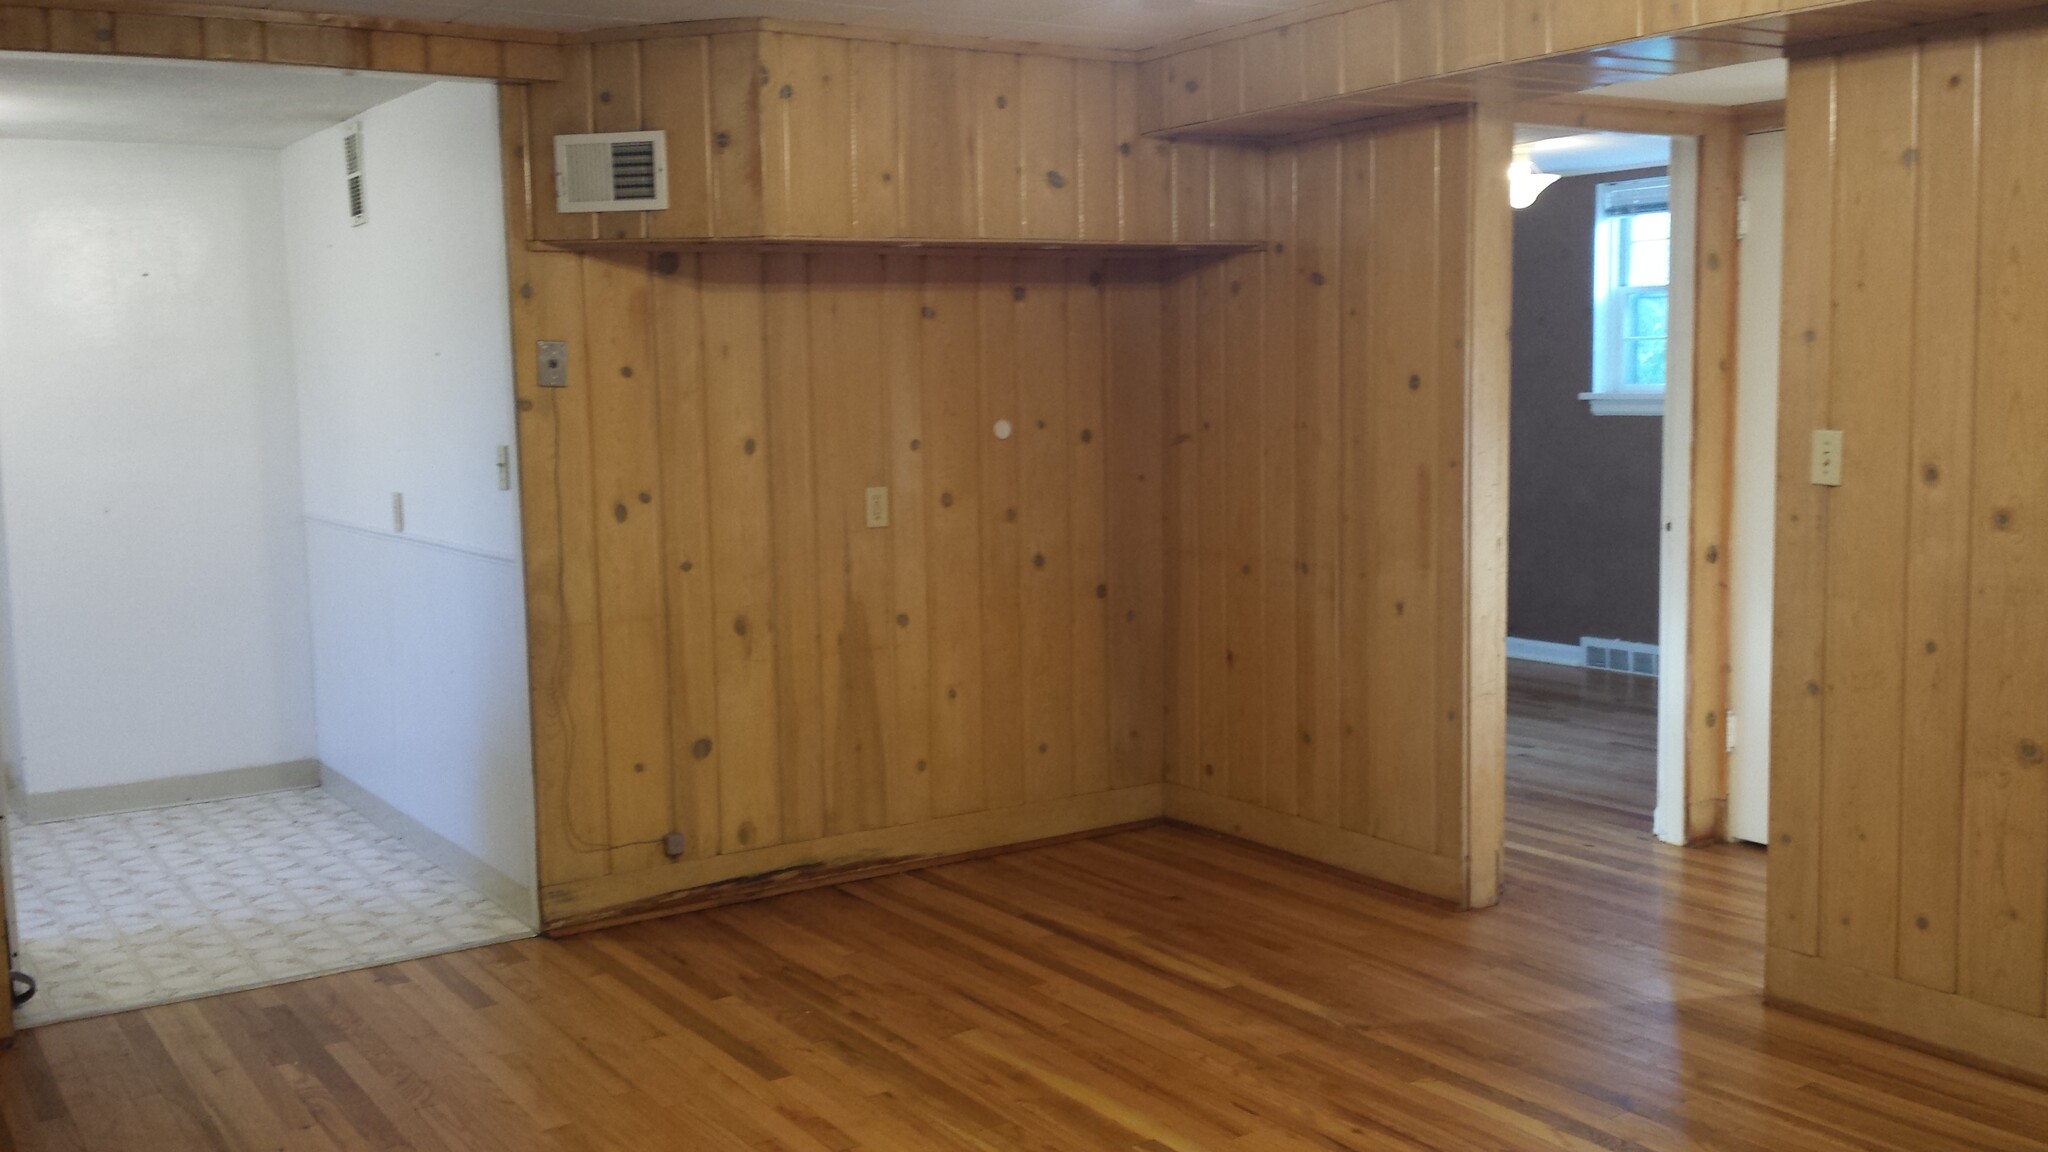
403	358
1674	571
1755	509
149	472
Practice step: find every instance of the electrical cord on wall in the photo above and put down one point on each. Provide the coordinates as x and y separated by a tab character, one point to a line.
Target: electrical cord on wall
21	988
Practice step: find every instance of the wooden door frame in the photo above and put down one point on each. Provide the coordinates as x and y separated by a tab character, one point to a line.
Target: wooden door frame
1719	132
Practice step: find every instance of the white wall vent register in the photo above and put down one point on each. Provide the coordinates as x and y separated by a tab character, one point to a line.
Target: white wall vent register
352	161
611	172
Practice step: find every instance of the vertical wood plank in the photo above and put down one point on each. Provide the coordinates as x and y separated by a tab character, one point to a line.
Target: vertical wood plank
2005	785
938	128
1402	382
572	809
1050	143
615	107
1939	515
557	108
992	92
1473	695
464	56
1088	340
792	457
949	339
810	160
1798	638
1359	275
1243	450
1002	640
153	34
854	564
626	464
743	592
910	749
877	140
738	206
1133	447
1212	660
679	350
1865	619
1045	544
1096	164
1319	253
1144	168
390	51
1279	489
1182	324
1712	481
28	30
675	94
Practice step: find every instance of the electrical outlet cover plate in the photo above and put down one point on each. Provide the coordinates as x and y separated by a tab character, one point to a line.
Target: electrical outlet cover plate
1827	457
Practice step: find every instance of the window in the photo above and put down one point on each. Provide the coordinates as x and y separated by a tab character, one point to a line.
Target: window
1631	297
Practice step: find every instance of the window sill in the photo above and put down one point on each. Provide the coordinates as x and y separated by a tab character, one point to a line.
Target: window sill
1624	403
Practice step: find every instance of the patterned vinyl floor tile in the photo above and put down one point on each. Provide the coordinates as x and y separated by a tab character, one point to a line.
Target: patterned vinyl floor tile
143	908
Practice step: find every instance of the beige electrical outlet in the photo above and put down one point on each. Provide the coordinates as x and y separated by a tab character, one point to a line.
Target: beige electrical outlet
878	507
1827	457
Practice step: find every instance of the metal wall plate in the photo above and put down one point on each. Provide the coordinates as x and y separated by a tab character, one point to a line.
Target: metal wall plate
554	363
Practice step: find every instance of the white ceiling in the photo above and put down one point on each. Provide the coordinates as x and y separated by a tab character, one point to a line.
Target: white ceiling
1728	87
1562	152
145	101
1087	23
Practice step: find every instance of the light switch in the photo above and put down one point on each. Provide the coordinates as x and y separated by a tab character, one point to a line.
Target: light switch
878	507
398	512
504	467
1827	457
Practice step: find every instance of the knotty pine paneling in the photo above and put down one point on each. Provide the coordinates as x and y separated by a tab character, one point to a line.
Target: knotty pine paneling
777	134
1317	70
723	648
196	32
1909	854
1317	420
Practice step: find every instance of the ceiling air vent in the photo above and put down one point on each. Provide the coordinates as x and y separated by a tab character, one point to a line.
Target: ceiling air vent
352	159
611	172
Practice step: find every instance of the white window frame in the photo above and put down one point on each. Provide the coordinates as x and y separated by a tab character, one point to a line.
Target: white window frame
1610	300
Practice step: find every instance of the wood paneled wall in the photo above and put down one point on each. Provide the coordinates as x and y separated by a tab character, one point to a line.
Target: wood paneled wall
775	134
1321	584
1342	62
193	32
1909	802
722	648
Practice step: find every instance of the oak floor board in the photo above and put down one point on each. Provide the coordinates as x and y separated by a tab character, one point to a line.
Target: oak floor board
1156	989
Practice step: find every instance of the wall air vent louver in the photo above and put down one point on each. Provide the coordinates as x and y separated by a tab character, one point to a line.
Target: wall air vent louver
352	161
611	172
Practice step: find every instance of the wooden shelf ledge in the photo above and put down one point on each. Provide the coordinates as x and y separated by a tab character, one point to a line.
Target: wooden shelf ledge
824	244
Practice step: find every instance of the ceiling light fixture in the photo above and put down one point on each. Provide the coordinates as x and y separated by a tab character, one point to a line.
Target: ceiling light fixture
1525	183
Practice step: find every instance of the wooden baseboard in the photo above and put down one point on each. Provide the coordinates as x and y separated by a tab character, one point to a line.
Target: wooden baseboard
1438	877
690	885
1942	1023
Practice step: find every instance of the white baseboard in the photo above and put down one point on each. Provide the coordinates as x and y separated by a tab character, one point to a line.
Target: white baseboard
43	807
515	898
1546	652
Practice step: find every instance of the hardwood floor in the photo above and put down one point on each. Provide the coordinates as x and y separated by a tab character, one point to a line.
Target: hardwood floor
1159	989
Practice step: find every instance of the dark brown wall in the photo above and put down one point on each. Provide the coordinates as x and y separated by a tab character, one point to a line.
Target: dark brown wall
1583	507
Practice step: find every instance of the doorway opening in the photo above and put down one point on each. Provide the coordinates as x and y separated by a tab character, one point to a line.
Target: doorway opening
1669	310
1599	331
263	695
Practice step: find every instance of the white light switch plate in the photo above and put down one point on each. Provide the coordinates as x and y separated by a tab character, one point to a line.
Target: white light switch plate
878	507
1827	457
